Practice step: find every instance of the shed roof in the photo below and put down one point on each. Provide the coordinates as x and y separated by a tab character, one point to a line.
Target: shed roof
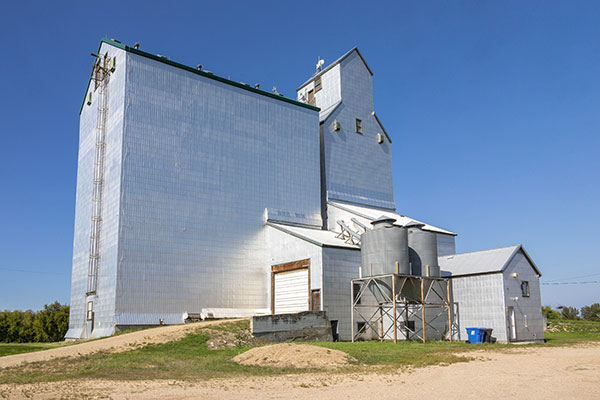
374	213
336	62
317	237
197	72
482	262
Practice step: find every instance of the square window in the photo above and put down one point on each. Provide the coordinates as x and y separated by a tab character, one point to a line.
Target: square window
361	326
359	128
525	289
410	325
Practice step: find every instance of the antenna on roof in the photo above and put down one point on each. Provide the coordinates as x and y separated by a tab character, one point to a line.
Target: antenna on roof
320	63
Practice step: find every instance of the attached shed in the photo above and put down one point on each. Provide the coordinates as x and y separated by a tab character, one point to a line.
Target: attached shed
311	270
497	289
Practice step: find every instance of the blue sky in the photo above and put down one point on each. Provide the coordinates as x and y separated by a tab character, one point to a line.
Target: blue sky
493	108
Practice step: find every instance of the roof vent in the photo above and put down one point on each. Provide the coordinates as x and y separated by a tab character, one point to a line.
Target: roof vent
414	224
383	222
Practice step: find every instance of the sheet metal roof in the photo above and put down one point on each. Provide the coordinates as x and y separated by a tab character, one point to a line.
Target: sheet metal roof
482	262
374	213
315	236
197	72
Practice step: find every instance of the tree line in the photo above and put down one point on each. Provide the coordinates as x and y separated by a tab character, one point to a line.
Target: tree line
588	313
47	325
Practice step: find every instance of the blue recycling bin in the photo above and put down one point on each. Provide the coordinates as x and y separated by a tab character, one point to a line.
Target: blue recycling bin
476	335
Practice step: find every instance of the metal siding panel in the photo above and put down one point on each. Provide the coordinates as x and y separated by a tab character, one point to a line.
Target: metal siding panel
446	244
330	94
528	310
104	302
369	179
479	303
284	248
202	162
340	266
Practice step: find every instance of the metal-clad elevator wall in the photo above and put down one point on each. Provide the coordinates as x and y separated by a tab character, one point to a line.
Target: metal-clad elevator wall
203	159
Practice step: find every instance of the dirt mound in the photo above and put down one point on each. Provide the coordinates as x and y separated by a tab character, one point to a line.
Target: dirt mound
220	339
294	355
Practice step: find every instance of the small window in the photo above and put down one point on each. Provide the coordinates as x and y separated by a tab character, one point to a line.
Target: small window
318	85
359	126
361	327
525	288
410	325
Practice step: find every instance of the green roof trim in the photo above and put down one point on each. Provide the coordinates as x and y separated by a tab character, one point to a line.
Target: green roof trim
197	72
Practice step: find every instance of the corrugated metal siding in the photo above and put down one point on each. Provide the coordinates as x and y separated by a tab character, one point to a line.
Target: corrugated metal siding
340	266
528	310
202	162
104	302
330	94
479	303
446	244
284	248
358	169
291	291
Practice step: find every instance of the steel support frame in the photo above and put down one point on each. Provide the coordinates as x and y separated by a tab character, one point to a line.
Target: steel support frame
412	297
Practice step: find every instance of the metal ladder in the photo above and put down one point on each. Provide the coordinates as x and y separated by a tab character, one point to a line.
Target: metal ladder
101	76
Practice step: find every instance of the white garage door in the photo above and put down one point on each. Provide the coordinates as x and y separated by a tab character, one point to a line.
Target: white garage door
291	291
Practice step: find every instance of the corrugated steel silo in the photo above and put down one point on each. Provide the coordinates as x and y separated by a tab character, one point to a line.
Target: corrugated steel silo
382	247
422	251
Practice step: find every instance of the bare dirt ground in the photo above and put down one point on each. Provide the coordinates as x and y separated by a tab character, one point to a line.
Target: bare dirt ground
115	344
293	355
526	373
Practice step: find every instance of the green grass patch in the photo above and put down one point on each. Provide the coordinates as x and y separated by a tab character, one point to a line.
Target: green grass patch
569	332
408	354
7	349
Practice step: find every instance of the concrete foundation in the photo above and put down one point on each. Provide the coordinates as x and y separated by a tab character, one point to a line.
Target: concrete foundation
303	326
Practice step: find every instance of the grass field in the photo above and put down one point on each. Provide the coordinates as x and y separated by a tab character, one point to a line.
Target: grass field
7	349
566	332
190	358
